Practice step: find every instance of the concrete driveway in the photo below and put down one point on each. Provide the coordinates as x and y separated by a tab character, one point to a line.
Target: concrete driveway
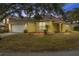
6	34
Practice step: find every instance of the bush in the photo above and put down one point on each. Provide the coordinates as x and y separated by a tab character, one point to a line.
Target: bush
67	31
76	28
45	32
25	31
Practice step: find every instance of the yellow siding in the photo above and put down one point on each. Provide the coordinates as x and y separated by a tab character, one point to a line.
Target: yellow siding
60	28
34	27
31	27
37	27
66	28
10	27
50	27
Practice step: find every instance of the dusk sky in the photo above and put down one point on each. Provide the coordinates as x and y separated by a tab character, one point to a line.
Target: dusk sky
70	6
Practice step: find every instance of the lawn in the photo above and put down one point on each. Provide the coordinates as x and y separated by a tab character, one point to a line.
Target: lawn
28	42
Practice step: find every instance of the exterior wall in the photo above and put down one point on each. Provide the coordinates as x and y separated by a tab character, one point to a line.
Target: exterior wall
60	28
40	26
66	28
34	27
50	27
37	27
10	28
31	27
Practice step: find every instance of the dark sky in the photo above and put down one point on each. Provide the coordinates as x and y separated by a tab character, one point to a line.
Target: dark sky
71	6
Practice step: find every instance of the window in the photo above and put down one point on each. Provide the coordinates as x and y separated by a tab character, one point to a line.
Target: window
42	26
3	20
25	26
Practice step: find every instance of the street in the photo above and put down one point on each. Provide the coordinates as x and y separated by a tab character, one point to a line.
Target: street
57	53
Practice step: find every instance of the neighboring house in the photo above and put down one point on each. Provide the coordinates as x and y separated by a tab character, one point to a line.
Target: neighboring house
16	24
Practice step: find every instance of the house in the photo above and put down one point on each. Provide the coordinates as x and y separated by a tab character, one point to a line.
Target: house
16	24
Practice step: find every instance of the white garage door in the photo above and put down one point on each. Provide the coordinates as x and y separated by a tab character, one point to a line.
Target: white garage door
17	28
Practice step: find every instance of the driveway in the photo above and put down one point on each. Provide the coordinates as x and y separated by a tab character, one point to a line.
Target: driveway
6	34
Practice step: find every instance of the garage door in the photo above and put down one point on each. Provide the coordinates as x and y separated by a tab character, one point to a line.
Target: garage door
17	28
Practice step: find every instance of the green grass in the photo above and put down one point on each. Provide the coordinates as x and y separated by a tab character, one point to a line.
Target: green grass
27	43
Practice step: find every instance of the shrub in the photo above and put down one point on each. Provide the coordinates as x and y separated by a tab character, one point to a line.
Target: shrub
76	28
25	31
45	32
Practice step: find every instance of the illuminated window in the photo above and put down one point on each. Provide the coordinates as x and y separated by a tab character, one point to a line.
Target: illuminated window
7	20
3	20
25	26
42	26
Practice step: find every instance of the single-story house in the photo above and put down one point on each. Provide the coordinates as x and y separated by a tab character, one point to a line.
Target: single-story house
16	24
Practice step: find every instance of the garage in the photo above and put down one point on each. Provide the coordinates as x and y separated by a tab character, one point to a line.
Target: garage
18	28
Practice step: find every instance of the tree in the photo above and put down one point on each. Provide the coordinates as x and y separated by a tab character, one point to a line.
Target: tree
73	15
32	9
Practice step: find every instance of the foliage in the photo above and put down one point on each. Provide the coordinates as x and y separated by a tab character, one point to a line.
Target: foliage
32	9
76	28
25	31
73	15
